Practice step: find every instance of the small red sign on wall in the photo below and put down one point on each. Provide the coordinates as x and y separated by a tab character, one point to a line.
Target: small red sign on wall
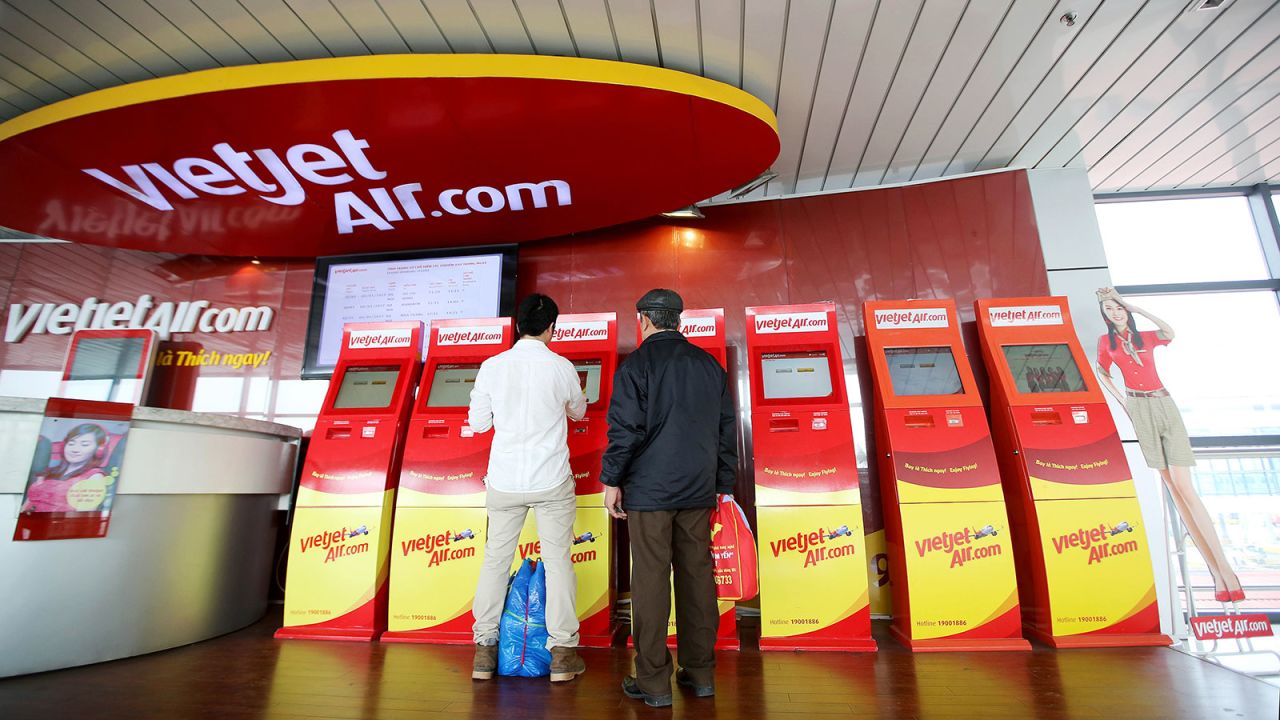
1231	627
387	152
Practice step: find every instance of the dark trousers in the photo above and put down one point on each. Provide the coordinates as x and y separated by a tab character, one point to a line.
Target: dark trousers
666	545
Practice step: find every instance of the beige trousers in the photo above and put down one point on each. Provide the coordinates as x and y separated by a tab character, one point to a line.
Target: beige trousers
554	511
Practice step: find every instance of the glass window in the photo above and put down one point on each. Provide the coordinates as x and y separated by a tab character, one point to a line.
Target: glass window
218	395
1246	514
1220	367
1184	240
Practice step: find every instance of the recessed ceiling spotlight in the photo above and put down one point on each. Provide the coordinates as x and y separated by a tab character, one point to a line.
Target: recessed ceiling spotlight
1069	19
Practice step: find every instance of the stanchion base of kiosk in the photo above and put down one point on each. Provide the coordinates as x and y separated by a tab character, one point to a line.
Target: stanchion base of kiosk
961	644
427	638
817	644
1099	641
342	635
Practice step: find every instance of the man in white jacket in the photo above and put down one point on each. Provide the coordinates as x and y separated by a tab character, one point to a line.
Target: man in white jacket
526	395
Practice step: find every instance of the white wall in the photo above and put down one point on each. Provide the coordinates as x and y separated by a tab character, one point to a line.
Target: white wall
1073	255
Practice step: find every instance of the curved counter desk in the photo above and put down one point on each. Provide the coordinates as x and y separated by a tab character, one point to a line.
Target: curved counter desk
189	551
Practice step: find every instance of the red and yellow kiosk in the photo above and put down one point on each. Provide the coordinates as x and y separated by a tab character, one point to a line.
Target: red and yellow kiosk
590	342
336	588
951	556
705	329
813	566
1084	567
440	525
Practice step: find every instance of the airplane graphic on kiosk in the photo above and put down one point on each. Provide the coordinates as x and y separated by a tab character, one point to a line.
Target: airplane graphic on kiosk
336	587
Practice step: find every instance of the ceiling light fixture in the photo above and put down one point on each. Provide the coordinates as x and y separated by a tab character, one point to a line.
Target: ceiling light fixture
752	185
1069	19
685	213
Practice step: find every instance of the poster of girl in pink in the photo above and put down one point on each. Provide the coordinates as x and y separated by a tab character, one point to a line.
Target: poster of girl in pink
72	482
1162	435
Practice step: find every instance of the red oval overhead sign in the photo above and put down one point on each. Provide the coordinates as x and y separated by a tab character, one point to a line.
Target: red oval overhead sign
319	157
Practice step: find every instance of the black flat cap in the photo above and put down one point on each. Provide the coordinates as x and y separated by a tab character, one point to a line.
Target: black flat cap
660	299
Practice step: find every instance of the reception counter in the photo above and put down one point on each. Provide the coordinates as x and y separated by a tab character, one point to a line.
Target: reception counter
188	555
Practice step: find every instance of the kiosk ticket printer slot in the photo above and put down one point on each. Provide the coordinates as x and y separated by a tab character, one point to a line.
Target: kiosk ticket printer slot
440	525
952	568
705	329
813	566
1081	551
336	588
590	342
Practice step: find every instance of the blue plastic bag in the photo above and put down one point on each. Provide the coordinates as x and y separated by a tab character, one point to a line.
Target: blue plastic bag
522	634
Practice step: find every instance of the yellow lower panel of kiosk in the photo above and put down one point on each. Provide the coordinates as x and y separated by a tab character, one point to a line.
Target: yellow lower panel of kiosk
960	573
336	581
1097	565
435	566
813	579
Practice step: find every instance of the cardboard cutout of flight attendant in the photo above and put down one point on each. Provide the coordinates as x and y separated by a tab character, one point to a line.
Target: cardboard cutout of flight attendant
1158	424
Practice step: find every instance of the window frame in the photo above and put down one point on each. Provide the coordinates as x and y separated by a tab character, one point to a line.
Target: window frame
1265	221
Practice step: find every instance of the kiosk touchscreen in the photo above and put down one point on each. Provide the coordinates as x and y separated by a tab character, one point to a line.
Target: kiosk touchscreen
705	329
438	542
1080	547
590	342
950	554
336	586
108	365
813	565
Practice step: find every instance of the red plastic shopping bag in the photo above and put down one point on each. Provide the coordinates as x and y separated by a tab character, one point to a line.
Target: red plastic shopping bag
733	548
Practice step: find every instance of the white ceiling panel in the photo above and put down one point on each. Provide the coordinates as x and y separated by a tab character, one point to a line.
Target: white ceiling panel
1145	93
886	47
842	57
934	30
974	35
1035	67
1213	142
1002	54
546	25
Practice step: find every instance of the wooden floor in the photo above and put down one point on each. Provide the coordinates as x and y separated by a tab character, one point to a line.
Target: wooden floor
248	675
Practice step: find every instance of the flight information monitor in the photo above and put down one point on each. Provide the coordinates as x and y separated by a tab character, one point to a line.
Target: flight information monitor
1043	368
788	375
589	378
386	287
451	385
923	371
367	387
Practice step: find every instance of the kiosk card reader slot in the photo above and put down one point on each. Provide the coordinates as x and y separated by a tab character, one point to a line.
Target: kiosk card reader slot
1067	483
950	554
813	564
336	586
440	518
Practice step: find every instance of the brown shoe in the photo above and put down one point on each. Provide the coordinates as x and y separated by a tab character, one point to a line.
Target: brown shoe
485	663
566	664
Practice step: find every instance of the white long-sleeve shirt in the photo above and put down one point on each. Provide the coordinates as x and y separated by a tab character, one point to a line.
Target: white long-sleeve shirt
525	394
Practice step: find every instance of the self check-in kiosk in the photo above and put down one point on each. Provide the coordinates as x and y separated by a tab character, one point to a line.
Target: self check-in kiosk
336	586
590	342
705	329
952	567
440	525
813	566
1084	567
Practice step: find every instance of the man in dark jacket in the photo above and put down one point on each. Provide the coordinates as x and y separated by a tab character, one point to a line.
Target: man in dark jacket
672	448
